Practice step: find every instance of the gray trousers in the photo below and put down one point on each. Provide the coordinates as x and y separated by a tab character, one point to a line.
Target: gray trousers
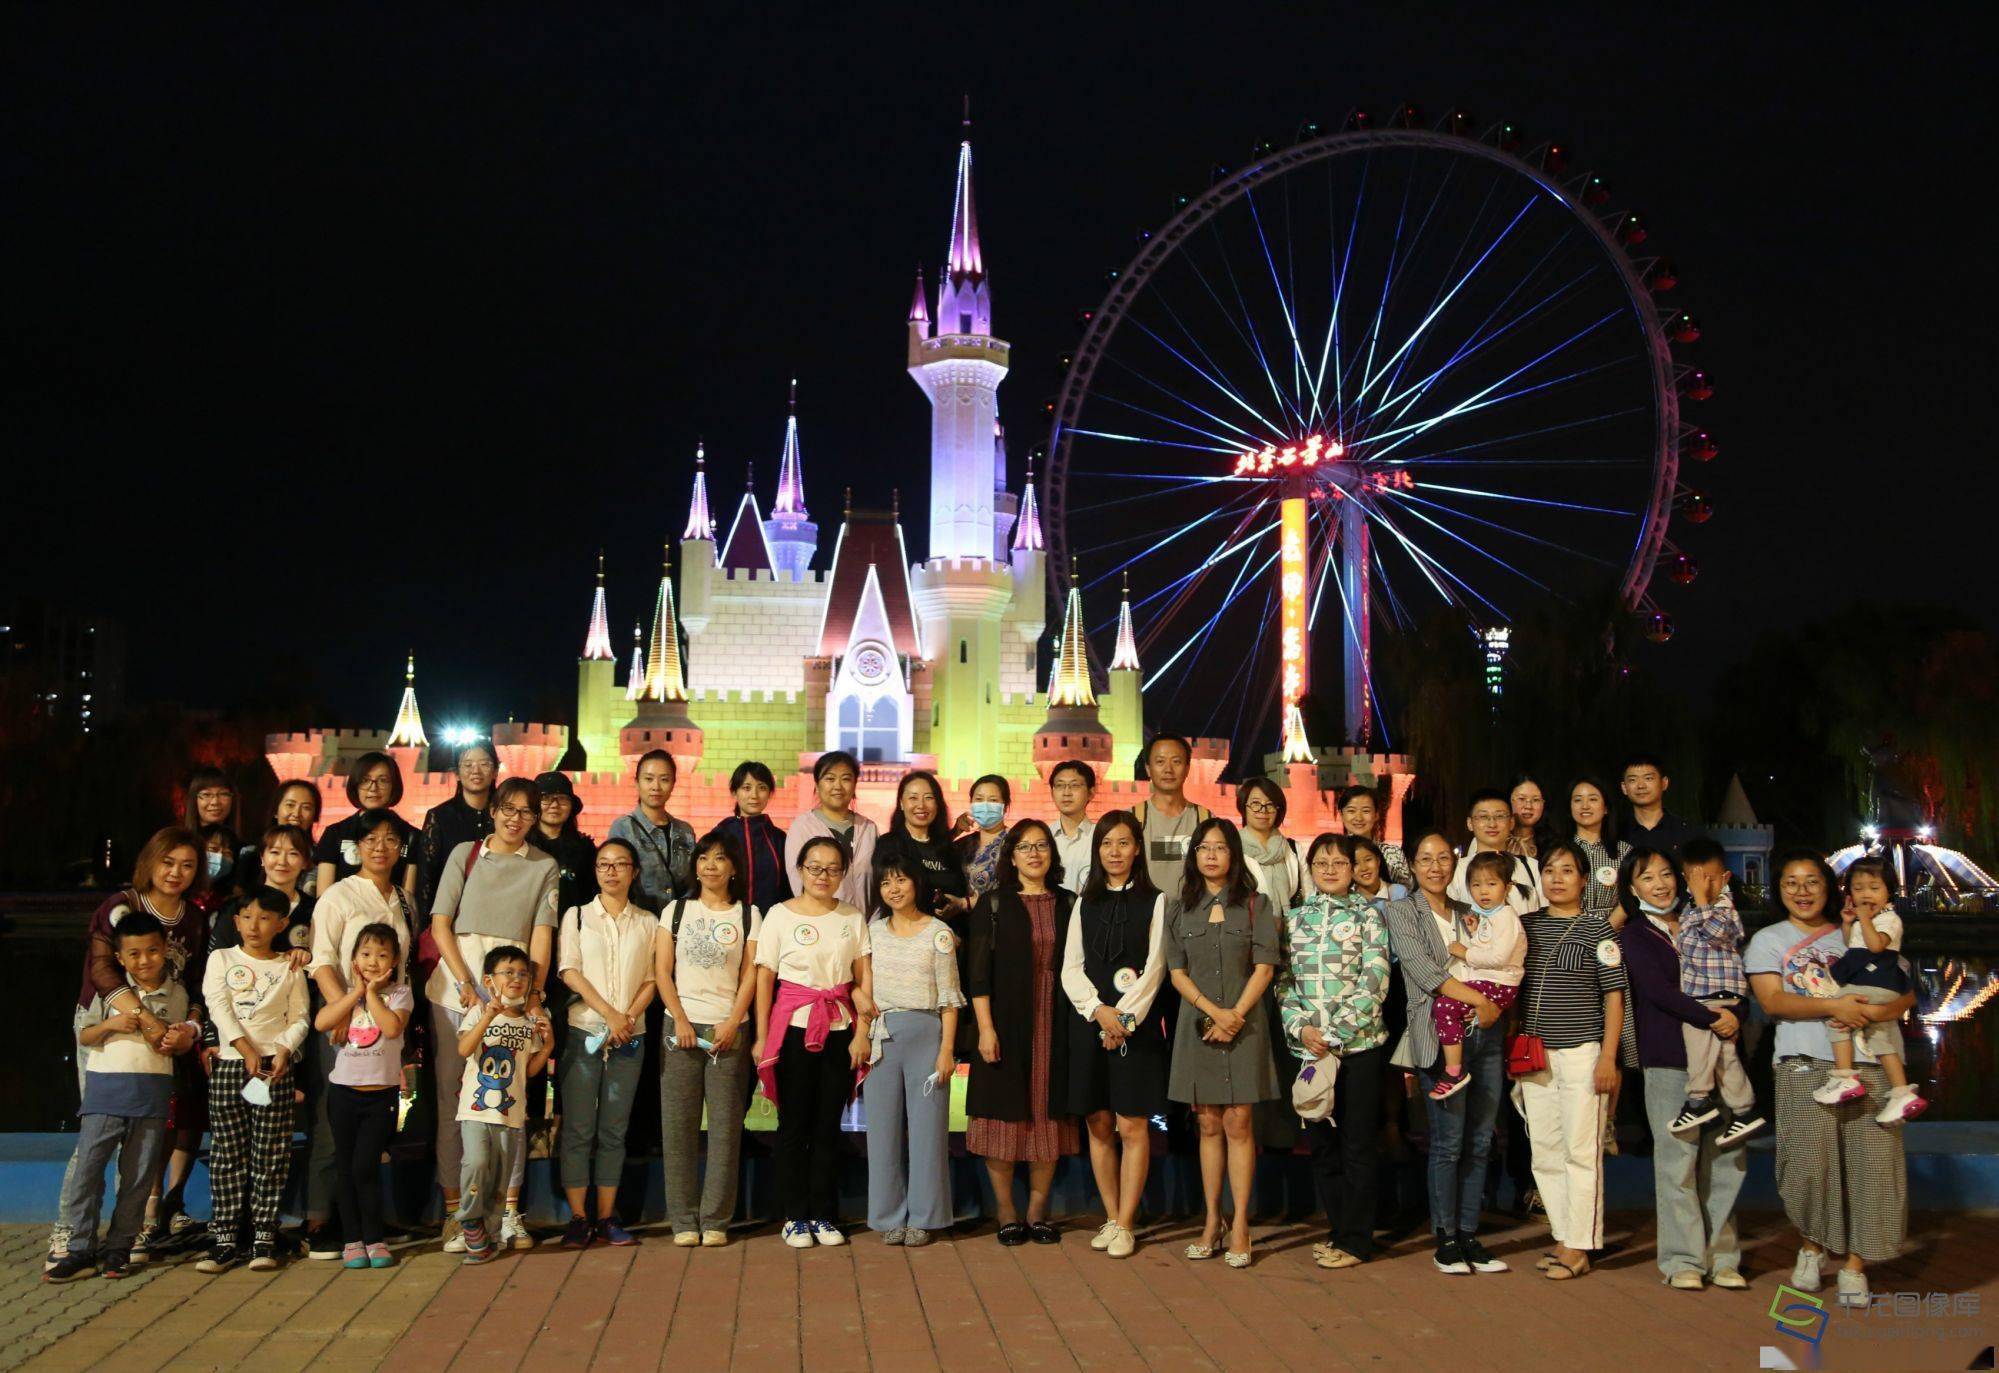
909	1141
450	1076
1713	1061
597	1093
139	1142
489	1156
319	1132
688	1078
1877	1037
1694	1186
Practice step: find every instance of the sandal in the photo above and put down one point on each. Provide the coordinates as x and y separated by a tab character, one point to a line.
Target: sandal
1546	1261
1200	1251
1560	1271
1237	1258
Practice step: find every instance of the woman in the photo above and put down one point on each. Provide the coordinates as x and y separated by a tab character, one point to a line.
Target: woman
1273	859
375	789
1360	815
756	837
281	859
1573	1002
812	1035
663	842
919	834
557	834
1421	929
912	979
706	969
1114	1075
492	892
1017	932
1842	1177
1589	813
463	819
606	959
1694	1184
165	876
1529	805
1221	953
219	846
979	850
834	777
211	800
297	803
1333	999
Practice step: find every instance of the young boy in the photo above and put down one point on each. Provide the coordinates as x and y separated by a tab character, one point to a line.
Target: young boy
502	1047
1071	785
1711	973
1871	969
127	1085
257	1003
1491	959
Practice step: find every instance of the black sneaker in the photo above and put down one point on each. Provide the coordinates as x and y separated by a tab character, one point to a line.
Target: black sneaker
220	1259
115	1264
264	1252
1478	1256
1738	1130
69	1268
1450	1256
325	1242
1697	1112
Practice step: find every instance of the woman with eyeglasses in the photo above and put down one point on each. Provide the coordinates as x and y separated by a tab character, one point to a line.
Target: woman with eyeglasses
1015	1111
464	818
493	892
705	964
1222	953
374	789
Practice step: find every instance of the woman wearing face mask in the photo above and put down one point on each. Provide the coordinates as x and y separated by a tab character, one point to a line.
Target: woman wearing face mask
219	846
835	775
375	789
297	803
1016	937
979	851
1589	819
463	819
756	836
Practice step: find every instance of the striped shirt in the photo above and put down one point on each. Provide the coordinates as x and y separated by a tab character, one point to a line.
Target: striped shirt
915	972
1571	964
1600	891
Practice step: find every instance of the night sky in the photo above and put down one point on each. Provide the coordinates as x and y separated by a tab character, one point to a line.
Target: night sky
333	331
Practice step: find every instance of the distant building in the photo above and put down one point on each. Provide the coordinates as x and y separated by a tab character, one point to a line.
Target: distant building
72	665
1746	842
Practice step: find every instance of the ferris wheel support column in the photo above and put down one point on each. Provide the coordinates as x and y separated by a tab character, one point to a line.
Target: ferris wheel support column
1359	646
1294	579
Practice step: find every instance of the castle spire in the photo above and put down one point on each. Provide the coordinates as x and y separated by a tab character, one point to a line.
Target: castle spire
1027	529
636	682
963	255
1125	657
663	680
1297	748
597	645
408	732
919	313
790	498
1071	684
700	525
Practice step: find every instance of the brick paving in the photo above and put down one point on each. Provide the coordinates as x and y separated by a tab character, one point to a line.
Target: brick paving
967	1305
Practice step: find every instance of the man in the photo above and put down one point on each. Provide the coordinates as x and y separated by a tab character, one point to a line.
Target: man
1490	821
1166	816
1072	784
1643	781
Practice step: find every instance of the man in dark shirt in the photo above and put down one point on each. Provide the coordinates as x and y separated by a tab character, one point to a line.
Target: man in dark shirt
557	836
1643	781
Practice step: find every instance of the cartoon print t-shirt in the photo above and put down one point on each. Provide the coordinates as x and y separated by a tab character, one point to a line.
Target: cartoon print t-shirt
1806	970
494	1088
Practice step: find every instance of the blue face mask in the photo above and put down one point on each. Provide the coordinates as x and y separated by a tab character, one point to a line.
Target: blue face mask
1650	909
987	814
219	865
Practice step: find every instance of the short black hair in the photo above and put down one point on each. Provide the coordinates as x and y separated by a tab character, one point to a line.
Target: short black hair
505	953
382	933
751	768
1642	760
1077	766
657	755
137	925
1635	861
1484	794
1701	849
270	899
1873	865
1006	874
739	881
1271	792
1354	791
1499	865
1005	789
826	761
366	764
895	862
1186	747
826	841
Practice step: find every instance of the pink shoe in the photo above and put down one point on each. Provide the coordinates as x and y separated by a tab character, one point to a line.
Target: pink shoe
1901	1107
1836	1090
1450	1084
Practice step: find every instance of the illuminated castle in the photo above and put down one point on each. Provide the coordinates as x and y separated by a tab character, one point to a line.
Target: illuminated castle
767	646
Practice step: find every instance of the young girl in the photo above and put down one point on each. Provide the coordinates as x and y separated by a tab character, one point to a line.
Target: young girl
257	1004
219	843
760	841
1360	816
1871	969
812	1035
606	959
1489	956
980	849
366	1027
705	966
834	777
911	976
1113	966
1221	951
1370	874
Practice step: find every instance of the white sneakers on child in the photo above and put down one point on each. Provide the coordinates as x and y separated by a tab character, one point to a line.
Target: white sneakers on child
1903	1104
1839	1088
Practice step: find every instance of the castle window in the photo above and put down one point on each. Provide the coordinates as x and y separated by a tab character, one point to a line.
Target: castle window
965	322
964	651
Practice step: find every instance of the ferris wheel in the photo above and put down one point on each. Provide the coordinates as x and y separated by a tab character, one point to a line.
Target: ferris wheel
1375	372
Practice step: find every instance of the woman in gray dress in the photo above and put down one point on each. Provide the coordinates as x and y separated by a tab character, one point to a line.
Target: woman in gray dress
1221	952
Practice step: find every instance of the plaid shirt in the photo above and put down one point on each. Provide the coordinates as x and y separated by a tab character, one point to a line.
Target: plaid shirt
1336	978
1711	950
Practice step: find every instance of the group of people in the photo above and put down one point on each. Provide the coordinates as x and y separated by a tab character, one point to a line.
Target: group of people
1094	974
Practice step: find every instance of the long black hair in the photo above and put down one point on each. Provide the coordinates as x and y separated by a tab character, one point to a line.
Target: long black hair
1098	883
1242	888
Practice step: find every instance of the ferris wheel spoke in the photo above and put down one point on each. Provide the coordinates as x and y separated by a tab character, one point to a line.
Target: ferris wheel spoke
1285	403
1511	531
1400	254
1530	500
1341	261
1284	304
1218	383
1237	689
1201	635
1160	543
1442	457
1429	564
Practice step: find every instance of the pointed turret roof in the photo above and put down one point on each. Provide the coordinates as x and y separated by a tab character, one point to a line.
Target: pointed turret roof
869	539
919	313
408	732
1125	656
790	498
663	680
1735	812
963	258
597	644
700	525
1027	529
1297	748
747	548
1071	685
636	682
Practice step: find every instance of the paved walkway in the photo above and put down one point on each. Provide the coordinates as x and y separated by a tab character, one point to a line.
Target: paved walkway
968	1305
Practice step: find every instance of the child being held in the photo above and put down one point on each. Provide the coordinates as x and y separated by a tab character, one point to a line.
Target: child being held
503	1047
1871	969
1710	945
256	1001
127	1085
366	1026
1490	958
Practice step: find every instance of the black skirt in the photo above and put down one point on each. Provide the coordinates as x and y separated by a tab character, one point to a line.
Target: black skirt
1132	1083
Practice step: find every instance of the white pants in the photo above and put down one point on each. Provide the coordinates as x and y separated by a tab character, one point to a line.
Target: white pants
1565	1119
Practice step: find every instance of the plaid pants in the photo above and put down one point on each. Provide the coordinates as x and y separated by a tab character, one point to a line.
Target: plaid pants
249	1150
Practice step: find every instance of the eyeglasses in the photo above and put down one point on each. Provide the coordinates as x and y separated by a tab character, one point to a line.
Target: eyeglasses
384	840
1329	865
1213	850
213	794
515	813
615	865
373	782
1260	806
822	869
1038	846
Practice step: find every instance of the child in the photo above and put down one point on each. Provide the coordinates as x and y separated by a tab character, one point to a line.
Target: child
1491	958
502	1047
366	1027
1711	973
256	1001
1871	969
127	1085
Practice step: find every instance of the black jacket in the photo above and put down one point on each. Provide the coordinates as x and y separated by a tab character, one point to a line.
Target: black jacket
1000	965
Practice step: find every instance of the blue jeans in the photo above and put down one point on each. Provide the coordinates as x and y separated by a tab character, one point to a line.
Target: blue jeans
1694	1185
1461	1133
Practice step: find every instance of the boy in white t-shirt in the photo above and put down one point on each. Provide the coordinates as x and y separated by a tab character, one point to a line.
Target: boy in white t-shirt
1872	970
503	1046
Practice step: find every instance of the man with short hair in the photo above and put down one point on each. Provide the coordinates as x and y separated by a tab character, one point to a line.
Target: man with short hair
1166	816
1072	783
1643	781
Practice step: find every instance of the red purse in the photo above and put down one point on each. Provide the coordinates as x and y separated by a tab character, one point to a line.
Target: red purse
1528	1053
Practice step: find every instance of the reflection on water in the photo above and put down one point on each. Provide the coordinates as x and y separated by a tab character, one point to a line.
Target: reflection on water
1952	1050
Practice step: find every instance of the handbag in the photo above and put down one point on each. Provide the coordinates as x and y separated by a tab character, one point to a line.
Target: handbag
1526	1052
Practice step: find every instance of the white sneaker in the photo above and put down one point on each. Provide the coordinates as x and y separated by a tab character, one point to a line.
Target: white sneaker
1805	1273
1122	1244
1903	1104
1853	1289
514	1231
1837	1089
798	1234
1737	1131
826	1232
1105	1234
58	1247
454	1236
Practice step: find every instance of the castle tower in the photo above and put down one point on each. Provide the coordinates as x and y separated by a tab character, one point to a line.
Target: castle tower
597	685
407	743
792	536
661	720
1125	713
1006	509
1073	728
1027	616
697	551
963	591
635	682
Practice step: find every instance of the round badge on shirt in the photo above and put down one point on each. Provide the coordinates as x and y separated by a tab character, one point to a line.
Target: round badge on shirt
943	941
725	933
1124	979
1606	876
1608	954
807	935
1343	931
350	853
241	978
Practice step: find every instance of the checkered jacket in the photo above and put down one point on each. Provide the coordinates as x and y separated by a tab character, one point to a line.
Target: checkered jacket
1711	950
